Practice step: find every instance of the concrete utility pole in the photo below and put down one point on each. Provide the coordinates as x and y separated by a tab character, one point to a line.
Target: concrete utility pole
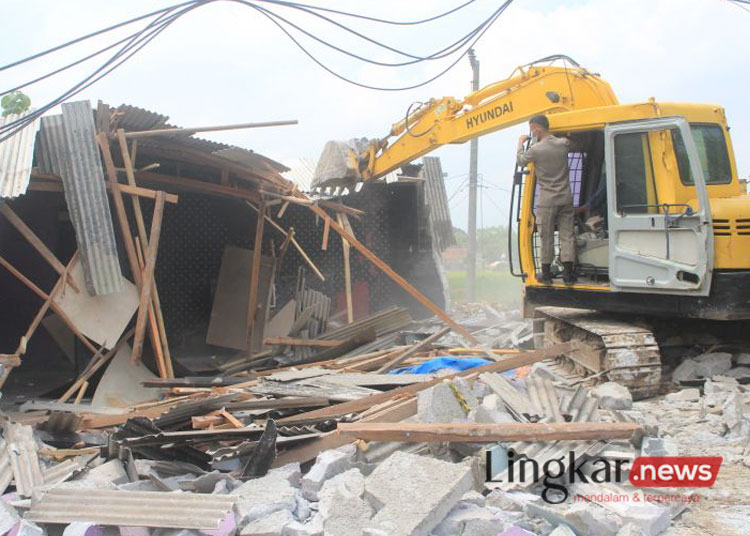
474	148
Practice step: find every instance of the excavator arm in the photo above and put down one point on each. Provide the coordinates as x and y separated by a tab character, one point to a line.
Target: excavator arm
531	89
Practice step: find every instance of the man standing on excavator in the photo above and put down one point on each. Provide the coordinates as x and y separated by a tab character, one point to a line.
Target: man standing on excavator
549	154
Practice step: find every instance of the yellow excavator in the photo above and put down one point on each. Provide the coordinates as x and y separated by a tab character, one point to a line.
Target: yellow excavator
663	225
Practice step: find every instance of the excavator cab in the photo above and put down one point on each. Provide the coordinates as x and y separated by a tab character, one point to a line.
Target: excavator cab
646	186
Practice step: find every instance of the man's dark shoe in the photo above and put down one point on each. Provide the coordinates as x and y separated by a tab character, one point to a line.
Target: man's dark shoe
545	277
568	275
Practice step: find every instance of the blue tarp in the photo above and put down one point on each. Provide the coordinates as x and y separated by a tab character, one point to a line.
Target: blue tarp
440	363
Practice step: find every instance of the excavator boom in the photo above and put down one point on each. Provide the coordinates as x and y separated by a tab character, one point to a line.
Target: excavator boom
531	89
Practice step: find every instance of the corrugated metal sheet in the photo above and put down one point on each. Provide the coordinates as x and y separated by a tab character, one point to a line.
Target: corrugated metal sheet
437	199
68	148
301	172
6	471
251	159
16	155
132	508
64	470
21	449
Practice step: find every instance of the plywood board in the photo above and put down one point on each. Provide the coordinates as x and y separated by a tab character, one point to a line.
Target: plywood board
102	319
61	335
228	324
121	385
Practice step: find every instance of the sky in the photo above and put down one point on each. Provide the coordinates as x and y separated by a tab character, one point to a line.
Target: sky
225	63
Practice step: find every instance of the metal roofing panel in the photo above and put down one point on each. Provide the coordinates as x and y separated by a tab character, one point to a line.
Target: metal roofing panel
62	471
6	471
132	508
16	154
69	149
21	449
437	199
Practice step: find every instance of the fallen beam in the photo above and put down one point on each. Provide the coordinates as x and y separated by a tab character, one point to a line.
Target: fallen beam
215	128
291	341
486	433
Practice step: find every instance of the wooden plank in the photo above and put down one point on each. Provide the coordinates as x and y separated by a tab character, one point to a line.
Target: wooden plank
291	341
403	283
215	128
282	210
403	356
308	451
252	306
509	363
122	217
145	192
36	242
148	278
157	327
197	186
346	248
326	232
294	242
46	186
153	328
487	433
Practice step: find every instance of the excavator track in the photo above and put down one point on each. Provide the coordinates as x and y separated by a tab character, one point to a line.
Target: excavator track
611	348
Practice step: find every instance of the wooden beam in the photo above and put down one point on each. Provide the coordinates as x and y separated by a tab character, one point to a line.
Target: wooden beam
403	356
294	242
36	242
148	277
509	363
343	221
326	232
122	217
487	433
403	283
48	186
291	341
252	306
157	327
198	186
215	128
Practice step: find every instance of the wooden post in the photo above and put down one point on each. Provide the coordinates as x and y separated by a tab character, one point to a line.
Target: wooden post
538	432
326	232
158	330
36	242
403	283
148	277
252	307
343	220
122	217
158	353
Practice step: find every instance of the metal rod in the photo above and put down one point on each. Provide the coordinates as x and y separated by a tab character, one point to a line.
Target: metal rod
193	130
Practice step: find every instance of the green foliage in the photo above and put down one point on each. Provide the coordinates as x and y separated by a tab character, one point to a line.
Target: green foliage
15	103
492	242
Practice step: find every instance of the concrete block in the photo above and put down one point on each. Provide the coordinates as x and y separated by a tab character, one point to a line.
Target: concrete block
349	483
271	525
631	529
720	384
685	395
414	493
470	519
687	370
511	501
8	517
613	395
583	518
327	465
490	416
743	359
261	497
474	497
467	389
563	530
738	372
295	528
713	364
659	446
348	516
439	404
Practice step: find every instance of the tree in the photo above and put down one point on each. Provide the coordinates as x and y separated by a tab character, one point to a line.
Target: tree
15	103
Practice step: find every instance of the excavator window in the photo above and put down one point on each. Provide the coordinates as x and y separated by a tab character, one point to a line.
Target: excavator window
635	187
712	151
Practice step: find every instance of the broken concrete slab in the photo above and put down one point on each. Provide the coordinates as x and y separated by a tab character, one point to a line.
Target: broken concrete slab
351	482
470	519
742	359
712	364
613	395
738	372
8	517
659	446
112	472
474	497
342	510
328	464
263	496
511	501
583	518
413	494
271	525
563	530
631	529
295	528
687	370
691	394
439	404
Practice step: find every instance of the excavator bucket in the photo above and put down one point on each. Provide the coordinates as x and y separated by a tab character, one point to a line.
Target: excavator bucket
338	164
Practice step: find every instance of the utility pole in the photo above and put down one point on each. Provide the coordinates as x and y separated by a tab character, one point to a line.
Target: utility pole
474	148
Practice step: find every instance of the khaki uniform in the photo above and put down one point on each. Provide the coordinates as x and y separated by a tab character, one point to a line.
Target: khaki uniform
555	203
